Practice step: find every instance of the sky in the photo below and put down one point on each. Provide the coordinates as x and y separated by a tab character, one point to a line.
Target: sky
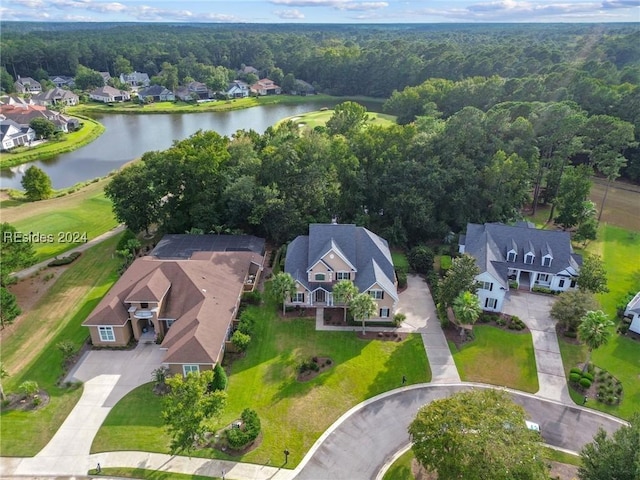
322	11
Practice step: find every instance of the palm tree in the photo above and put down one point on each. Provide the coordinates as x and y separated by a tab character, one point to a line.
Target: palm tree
283	286
467	308
343	293
362	306
594	330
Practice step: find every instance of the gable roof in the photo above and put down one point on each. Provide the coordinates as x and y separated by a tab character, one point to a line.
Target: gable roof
109	91
367	252
634	305
183	246
55	94
199	294
490	243
154	90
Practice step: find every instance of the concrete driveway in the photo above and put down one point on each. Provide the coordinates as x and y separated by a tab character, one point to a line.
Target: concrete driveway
533	310
108	375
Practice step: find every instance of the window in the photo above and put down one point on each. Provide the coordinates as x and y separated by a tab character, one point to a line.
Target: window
546	261
486	286
543	277
187	369
561	283
343	276
490	303
377	294
106	334
169	323
298	297
320	277
573	283
528	258
384	313
511	256
144	305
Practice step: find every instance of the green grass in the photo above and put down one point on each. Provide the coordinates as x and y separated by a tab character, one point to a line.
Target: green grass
185	107
561	457
319	118
87	211
513	353
69	142
144	474
401	468
54	318
400	261
293	414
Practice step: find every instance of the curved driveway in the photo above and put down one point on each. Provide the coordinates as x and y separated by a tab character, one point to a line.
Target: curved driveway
358	446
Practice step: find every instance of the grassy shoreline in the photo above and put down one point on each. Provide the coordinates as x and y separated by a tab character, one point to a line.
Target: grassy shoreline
91	130
215	106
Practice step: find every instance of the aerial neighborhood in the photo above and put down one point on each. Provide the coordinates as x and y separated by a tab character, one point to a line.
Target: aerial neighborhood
239	250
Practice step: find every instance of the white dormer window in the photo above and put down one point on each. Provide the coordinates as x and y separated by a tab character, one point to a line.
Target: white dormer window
511	256
546	261
528	258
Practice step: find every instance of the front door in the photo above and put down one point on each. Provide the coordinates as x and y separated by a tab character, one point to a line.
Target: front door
321	296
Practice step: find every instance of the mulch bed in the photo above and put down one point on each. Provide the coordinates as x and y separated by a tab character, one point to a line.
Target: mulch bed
219	442
325	363
298	312
17	401
384	336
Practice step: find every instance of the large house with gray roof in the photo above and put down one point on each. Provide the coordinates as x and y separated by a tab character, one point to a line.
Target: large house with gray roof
522	254
184	296
334	252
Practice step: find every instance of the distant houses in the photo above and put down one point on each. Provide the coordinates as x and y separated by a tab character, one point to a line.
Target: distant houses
238	89
265	87
156	93
109	94
27	85
13	135
135	79
56	96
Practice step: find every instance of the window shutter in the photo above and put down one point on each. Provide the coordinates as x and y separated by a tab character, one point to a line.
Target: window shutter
486	302
382	297
491	287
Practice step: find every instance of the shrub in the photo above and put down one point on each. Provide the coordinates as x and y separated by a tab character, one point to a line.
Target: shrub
402	278
240	340
239	437
574	377
67	347
247	322
398	318
159	375
485	317
122	243
570	334
445	263
29	388
252	298
588	375
623	329
541	290
420	259
585	382
513	284
501	321
576	370
64	260
220	379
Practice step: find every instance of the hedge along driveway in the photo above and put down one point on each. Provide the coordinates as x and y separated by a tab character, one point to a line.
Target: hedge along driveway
293	414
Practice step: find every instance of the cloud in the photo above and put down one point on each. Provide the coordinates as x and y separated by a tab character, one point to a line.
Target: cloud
611	4
11	14
28	3
293	14
336	4
146	13
106	7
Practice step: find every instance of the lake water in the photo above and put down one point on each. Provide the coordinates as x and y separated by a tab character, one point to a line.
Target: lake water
127	137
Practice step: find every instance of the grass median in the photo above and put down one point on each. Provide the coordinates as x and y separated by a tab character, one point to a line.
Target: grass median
293	414
31	353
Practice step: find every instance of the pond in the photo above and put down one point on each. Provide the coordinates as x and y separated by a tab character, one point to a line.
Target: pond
127	137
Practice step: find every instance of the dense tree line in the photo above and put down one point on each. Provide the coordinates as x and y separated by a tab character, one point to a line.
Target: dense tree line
449	67
407	182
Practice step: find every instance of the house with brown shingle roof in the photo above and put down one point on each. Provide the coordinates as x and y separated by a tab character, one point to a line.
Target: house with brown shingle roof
186	304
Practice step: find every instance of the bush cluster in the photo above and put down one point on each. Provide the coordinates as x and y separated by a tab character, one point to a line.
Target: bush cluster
420	259
64	260
516	323
309	365
252	298
240	340
247	433
402	278
247	323
546	290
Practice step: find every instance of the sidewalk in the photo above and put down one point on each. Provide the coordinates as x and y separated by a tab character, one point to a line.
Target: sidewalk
27	272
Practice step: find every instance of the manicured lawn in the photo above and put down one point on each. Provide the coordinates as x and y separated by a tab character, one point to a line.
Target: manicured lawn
319	118
621	356
499	358
87	210
561	457
70	141
401	468
293	414
400	261
30	352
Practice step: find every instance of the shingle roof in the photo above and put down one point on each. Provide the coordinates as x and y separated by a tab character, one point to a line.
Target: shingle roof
367	252
489	244
201	299
184	246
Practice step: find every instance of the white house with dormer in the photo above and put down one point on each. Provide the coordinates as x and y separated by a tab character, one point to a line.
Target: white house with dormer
633	312
520	255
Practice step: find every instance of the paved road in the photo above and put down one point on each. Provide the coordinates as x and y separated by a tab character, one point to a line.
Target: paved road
359	447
